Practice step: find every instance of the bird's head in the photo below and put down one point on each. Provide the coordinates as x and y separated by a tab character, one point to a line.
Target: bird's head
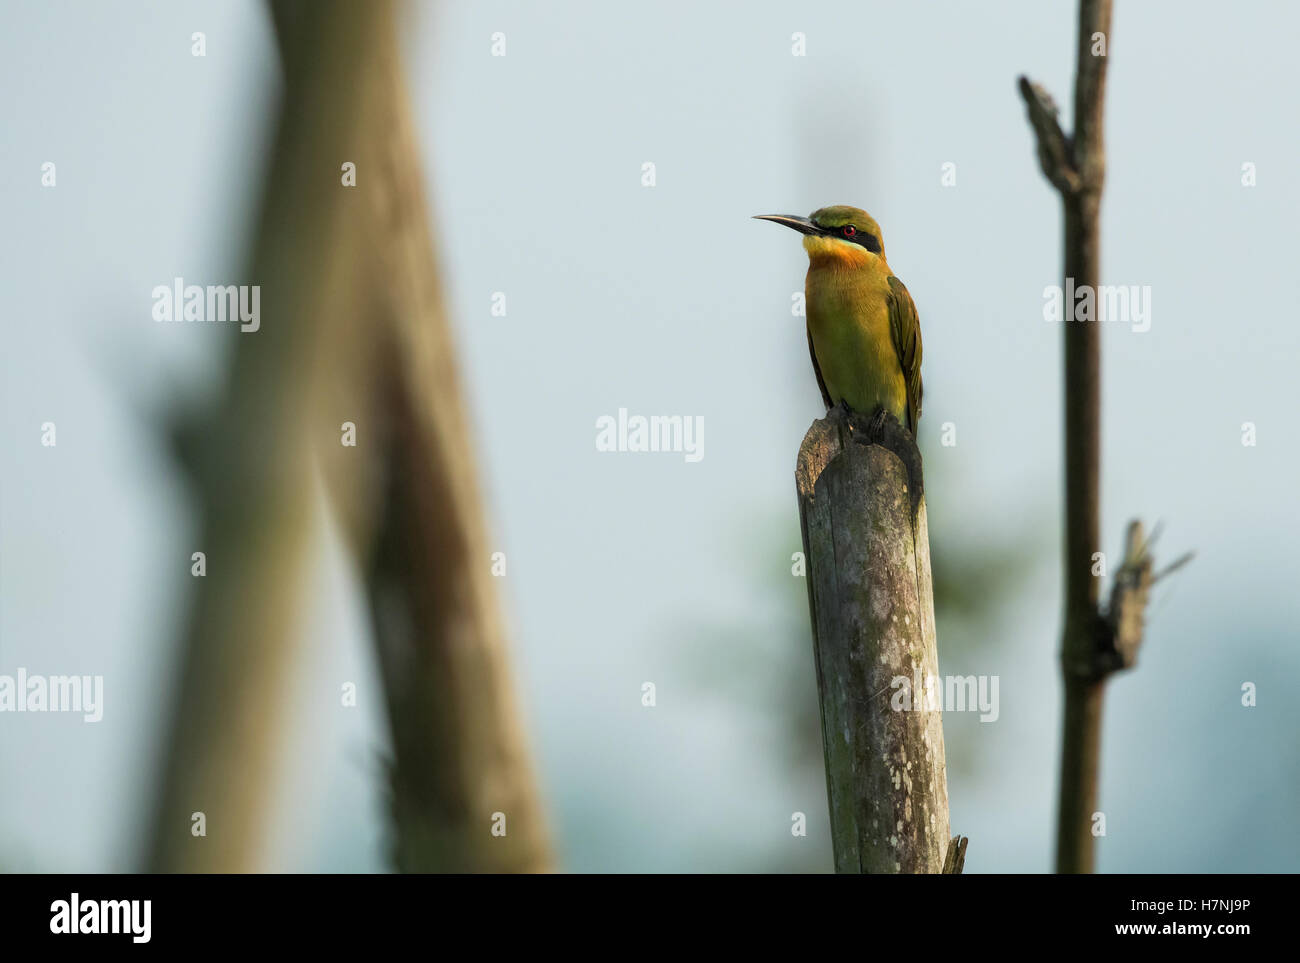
840	233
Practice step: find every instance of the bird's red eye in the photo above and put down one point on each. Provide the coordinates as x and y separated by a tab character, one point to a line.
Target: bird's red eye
849	230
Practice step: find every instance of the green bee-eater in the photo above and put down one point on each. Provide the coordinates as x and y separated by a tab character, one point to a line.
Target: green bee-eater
863	332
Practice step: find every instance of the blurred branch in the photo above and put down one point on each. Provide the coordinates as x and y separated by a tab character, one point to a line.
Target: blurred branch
253	471
463	792
354	330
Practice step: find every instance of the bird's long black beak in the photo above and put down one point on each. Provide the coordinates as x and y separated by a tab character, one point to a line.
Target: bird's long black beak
800	224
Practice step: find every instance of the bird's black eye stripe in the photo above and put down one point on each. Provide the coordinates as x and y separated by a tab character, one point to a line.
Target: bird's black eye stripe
850	233
868	240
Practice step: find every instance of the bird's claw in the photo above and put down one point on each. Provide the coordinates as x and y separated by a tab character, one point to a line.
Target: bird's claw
885	430
876	426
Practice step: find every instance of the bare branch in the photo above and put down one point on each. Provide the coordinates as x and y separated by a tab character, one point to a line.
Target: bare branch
1075	167
1092	57
1053	145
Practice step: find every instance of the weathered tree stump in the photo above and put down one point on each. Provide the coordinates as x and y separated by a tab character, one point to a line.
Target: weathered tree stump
870	593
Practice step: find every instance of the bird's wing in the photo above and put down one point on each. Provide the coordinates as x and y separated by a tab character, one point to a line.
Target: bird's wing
817	370
906	329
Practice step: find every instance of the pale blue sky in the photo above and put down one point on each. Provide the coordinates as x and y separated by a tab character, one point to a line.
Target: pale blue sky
626	568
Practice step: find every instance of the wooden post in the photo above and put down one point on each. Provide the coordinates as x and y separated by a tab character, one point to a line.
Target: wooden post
870	593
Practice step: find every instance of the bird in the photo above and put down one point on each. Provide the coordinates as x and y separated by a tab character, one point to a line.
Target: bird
863	331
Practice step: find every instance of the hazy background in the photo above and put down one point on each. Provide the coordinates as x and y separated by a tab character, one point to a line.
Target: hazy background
627	568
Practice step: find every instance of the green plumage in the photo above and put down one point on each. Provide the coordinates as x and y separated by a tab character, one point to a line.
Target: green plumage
863	331
906	329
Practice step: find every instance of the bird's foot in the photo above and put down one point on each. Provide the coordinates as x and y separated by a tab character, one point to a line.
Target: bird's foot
847	418
866	431
885	430
856	423
876	426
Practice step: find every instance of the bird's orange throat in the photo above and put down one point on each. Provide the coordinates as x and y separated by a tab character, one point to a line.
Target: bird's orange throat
831	252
